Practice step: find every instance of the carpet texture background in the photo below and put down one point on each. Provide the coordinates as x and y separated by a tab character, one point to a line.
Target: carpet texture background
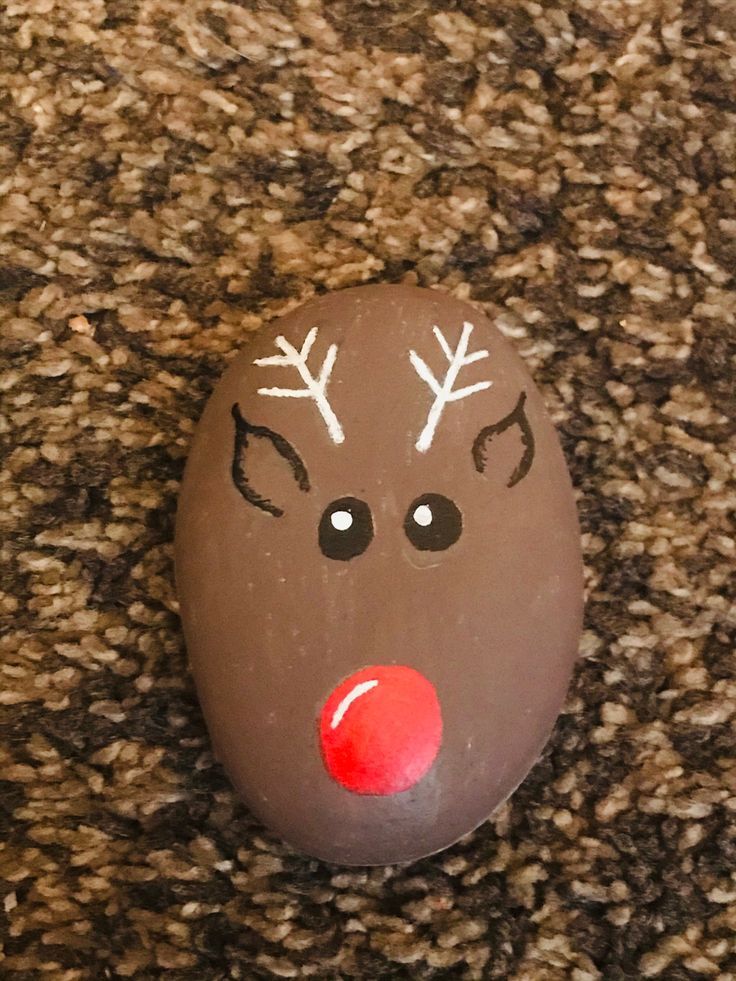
173	175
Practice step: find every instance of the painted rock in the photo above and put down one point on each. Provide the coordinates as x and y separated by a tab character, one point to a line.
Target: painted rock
379	569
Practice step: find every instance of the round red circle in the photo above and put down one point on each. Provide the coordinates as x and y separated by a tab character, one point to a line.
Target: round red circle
380	729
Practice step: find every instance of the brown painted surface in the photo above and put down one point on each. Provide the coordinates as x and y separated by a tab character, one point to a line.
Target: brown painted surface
273	625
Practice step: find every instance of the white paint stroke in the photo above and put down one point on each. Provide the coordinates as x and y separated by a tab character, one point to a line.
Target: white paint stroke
423	516
443	393
341	520
360	689
314	388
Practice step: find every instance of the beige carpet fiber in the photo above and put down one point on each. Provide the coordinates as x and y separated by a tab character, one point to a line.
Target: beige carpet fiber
175	174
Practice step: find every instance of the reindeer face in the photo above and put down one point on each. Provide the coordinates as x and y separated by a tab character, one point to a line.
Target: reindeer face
379	569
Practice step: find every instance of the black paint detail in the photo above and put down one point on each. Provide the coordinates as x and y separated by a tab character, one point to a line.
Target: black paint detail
517	417
345	545
244	430
443	530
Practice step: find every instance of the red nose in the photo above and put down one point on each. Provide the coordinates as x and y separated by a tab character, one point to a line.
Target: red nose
380	730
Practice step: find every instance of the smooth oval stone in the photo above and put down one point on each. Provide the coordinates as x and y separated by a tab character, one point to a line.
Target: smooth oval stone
379	568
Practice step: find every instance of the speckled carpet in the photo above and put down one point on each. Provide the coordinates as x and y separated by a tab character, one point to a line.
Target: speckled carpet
172	175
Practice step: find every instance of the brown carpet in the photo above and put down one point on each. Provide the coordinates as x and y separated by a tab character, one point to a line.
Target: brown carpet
174	174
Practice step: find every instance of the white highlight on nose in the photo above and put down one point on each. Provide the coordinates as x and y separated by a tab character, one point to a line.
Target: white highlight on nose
341	520
345	704
423	515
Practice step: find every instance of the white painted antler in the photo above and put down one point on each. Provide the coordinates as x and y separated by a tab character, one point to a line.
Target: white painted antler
314	388
444	393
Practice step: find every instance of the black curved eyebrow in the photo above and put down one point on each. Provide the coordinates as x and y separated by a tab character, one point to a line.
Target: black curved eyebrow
243	431
517	417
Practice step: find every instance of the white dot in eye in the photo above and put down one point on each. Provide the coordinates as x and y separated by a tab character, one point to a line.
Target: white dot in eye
341	520
423	515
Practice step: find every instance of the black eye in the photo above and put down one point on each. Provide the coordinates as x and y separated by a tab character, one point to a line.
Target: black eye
345	528
433	523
